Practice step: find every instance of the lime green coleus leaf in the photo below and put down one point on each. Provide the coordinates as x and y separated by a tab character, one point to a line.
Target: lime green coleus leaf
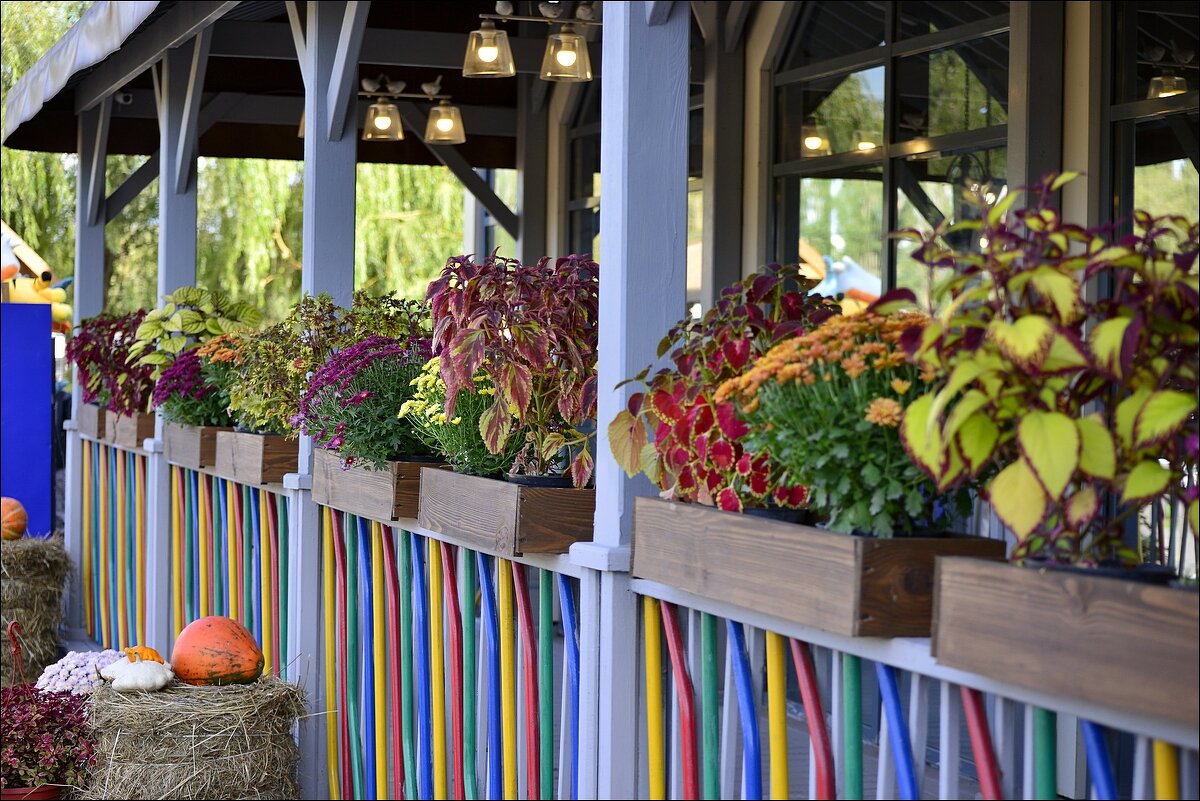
1059	288
1127	414
173	344
1145	481
1193	516
972	401
1097	453
1025	342
1062	179
1018	498
922	437
963	374
1050	443
626	440
1064	357
1003	205
1082	507
1161	416
651	463
977	440
1105	341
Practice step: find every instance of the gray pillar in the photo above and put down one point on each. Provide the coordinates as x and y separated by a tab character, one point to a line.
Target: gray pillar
531	173
643	176
1035	91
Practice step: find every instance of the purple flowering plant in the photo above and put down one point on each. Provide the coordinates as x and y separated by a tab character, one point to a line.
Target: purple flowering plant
99	349
46	737
189	392
352	402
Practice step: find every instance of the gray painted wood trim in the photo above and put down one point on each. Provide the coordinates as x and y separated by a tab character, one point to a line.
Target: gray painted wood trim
657	11
449	156
295	27
98	143
532	137
189	136
722	164
89	236
174	28
735	23
1035	91
344	80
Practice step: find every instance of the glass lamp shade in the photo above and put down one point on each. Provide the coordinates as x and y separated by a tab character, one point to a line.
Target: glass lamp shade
488	53
445	125
566	57
1166	85
866	140
815	139
383	123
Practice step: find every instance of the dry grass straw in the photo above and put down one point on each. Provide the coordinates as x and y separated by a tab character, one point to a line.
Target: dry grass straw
32	574
197	742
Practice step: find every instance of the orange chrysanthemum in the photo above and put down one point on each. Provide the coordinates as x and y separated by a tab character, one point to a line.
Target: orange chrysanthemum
884	412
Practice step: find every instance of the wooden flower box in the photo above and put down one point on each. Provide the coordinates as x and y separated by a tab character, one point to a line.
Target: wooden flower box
191	446
1110	641
855	586
503	517
255	458
129	431
376	494
90	421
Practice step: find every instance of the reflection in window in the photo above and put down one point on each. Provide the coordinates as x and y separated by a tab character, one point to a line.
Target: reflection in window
930	192
1155	40
917	18
504	183
829	30
1164	177
695	240
838	114
962	88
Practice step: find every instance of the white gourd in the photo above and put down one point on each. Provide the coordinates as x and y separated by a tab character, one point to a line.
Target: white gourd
111	671
143	675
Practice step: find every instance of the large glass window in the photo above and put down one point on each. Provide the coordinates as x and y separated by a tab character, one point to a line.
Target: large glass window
884	114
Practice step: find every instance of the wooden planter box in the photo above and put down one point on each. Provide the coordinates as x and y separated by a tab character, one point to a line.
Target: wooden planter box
254	458
191	446
502	517
90	421
1109	641
376	494
855	586
130	431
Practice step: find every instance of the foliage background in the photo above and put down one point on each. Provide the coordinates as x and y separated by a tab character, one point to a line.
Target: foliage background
409	217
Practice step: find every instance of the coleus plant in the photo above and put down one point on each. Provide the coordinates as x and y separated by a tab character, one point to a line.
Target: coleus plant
678	434
189	316
1064	405
99	349
532	330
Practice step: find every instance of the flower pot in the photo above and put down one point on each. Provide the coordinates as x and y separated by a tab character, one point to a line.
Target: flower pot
45	791
503	517
1124	644
132	430
382	495
559	482
254	458
90	421
192	447
855	586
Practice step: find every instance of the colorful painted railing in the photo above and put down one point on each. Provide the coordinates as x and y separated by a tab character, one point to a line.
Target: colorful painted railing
113	544
440	668
715	745
229	556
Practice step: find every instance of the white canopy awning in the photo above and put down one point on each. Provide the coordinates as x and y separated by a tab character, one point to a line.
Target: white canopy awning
101	30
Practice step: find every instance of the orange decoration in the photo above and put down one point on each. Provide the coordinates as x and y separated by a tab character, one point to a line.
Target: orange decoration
145	653
216	650
15	520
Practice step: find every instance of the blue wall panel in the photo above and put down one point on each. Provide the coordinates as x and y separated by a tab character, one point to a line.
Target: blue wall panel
26	410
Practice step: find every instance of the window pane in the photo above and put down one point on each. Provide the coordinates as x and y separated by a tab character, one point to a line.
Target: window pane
1164	178
585	232
931	191
916	19
830	115
585	167
826	30
841	219
961	88
695	243
1153	39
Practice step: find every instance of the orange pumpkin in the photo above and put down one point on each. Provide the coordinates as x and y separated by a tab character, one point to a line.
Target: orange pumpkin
145	653
216	650
13	520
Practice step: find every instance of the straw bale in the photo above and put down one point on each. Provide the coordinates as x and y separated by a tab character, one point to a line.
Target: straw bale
32	574
197	742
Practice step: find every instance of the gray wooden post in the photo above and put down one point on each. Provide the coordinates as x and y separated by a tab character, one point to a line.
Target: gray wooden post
328	41
531	173
643	178
88	302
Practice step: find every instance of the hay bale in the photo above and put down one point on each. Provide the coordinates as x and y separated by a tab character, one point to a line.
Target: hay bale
32	574
197	742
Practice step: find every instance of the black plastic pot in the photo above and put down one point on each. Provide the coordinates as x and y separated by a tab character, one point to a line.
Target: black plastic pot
550	482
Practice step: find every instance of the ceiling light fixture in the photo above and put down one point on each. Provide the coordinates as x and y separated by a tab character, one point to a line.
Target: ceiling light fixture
1166	85
488	53
383	123
566	56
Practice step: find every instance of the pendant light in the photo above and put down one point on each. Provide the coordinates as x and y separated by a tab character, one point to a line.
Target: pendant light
1166	85
566	57
383	123
488	53
445	125
865	140
815	138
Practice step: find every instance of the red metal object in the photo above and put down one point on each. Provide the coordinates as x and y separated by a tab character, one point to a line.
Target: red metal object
529	651
454	629
46	791
687	701
810	693
339	563
18	671
981	744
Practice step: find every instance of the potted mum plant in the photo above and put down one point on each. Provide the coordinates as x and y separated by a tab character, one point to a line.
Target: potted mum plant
100	351
531	331
1081	413
193	395
46	742
189	316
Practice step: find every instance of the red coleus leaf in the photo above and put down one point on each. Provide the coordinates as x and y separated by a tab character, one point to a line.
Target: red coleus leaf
516	385
743	465
704	419
679	458
731	425
737	353
635	403
666	406
495	424
761	286
712	480
701	444
685	363
760	483
587	398
686	480
581	468
728	500
722	454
